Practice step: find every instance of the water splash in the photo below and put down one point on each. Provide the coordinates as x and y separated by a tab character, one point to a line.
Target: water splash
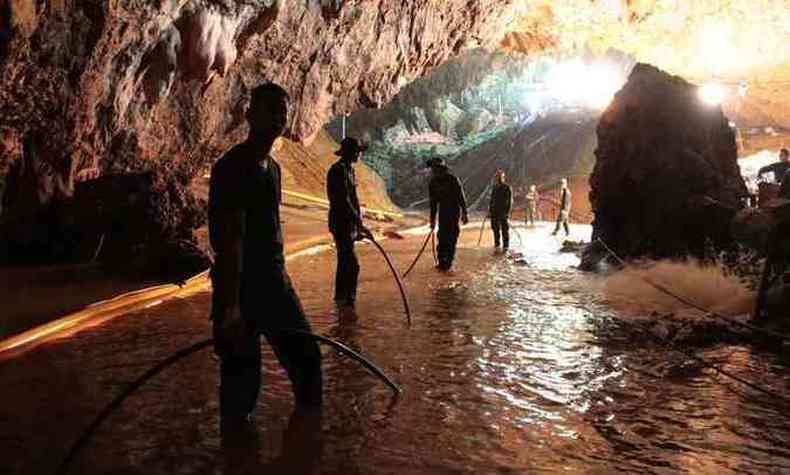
708	286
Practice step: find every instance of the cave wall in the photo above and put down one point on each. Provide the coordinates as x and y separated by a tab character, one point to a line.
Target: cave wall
117	84
666	182
97	88
437	103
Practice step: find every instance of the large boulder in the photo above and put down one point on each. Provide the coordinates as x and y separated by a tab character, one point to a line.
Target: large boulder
666	182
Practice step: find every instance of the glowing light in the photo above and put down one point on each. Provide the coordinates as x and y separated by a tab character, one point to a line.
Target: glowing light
712	94
603	83
717	47
574	83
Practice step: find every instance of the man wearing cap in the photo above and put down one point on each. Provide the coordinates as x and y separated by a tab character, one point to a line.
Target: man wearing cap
252	292
447	198
499	210
345	220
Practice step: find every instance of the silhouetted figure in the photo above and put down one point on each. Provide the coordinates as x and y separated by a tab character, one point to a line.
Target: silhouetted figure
779	169
565	209
499	210
252	290
784	189
533	198
345	220
447	197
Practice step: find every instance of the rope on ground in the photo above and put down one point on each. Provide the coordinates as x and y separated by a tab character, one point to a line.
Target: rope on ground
188	351
695	306
673	346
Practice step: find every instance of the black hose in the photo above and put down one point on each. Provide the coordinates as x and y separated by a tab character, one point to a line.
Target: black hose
188	351
397	278
419	254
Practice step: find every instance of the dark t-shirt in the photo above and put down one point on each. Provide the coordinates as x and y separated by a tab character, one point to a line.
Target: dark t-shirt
238	182
447	195
501	200
341	189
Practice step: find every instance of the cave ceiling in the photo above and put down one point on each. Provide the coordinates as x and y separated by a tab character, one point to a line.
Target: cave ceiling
120	85
743	45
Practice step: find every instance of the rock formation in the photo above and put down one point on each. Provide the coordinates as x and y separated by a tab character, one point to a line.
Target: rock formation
666	182
106	88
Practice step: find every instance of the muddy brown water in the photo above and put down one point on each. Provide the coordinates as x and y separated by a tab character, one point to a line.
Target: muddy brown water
509	367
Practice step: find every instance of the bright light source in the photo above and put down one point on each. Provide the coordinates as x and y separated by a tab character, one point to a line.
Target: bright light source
574	83
717	46
712	94
602	84
534	102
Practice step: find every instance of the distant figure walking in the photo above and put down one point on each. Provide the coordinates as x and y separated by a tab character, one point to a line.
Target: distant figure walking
447	198
565	209
252	290
533	198
499	210
345	220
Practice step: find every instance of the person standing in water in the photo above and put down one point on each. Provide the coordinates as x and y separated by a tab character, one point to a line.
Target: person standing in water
533	198
447	198
565	209
252	291
499	210
345	220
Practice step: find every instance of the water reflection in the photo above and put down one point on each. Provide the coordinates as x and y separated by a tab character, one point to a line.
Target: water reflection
511	366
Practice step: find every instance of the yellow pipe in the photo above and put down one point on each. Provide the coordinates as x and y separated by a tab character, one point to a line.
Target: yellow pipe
104	310
324	202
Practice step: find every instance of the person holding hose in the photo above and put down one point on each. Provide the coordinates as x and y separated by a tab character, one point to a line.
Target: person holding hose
448	201
345	220
499	211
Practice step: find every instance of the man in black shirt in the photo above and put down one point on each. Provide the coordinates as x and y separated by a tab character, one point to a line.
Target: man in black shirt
345	220
447	197
779	168
252	290
499	210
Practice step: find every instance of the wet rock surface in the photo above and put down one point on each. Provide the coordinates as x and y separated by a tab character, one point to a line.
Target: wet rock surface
666	182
